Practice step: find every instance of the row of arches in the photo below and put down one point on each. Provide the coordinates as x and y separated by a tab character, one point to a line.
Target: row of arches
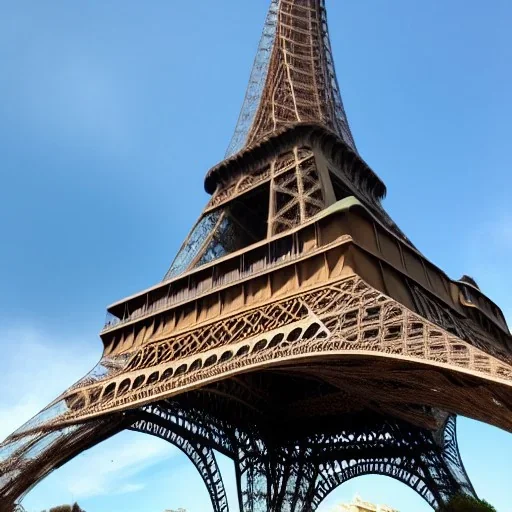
294	333
332	475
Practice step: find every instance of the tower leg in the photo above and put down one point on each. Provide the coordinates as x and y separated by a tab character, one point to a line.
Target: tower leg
202	456
295	476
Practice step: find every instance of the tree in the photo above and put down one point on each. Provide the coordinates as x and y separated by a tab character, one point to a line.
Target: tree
465	503
67	508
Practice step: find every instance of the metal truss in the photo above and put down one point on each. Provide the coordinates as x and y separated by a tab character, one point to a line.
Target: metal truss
298	331
200	454
300	81
345	317
293	77
277	473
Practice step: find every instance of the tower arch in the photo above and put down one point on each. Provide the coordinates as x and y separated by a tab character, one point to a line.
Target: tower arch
298	328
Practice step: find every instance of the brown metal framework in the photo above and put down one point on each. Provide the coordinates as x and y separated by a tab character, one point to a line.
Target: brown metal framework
298	331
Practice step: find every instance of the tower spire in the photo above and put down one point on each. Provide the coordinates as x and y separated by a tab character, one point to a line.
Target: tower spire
293	78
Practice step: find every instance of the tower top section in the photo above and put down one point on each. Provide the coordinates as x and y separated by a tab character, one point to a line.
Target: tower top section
293	78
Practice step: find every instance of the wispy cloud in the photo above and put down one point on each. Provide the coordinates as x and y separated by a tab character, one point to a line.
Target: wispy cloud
114	466
118	466
36	367
129	488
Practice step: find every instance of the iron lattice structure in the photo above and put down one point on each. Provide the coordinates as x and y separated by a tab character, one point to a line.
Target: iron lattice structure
298	331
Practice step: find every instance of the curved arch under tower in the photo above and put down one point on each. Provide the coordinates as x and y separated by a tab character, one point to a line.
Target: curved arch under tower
298	330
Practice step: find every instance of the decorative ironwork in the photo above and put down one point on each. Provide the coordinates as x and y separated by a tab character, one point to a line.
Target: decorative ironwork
300	82
297	331
201	455
298	471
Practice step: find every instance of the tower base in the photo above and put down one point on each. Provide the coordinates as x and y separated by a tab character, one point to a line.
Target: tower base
294	473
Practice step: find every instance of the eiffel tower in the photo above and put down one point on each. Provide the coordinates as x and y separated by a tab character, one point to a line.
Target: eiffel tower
298	331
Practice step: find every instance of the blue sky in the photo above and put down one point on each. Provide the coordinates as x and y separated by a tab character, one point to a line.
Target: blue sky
110	115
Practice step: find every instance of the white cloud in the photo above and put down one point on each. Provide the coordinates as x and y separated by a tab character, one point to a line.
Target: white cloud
128	488
112	466
36	368
118	466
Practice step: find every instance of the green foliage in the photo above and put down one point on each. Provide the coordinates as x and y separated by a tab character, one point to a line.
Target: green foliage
67	508
464	503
